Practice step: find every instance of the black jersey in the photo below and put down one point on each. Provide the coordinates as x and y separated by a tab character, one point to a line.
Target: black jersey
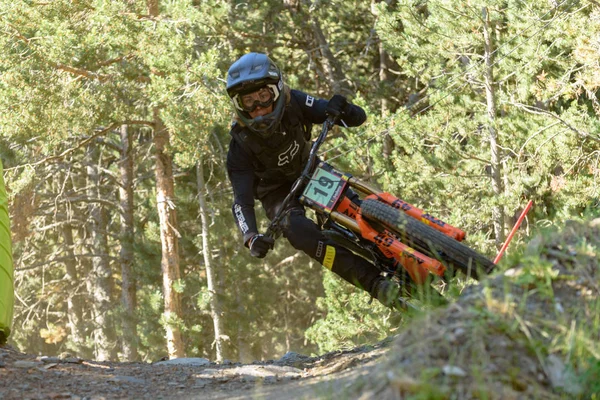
257	166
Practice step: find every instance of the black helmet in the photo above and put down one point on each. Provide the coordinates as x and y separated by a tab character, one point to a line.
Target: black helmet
251	72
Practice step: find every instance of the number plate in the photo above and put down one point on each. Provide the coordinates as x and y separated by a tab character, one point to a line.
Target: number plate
325	188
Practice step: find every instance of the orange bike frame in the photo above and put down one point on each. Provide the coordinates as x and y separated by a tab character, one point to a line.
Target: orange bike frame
416	264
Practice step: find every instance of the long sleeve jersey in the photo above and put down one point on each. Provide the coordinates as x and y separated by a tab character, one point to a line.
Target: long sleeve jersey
241	165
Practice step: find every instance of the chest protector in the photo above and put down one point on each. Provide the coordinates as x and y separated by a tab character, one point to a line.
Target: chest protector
280	158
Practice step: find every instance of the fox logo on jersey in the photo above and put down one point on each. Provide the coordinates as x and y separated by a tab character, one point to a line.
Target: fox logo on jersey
287	156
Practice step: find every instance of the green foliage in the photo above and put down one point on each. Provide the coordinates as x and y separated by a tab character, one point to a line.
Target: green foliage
539	274
69	70
589	378
352	318
442	152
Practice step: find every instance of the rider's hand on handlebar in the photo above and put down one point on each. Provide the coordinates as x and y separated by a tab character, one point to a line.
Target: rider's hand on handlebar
260	245
337	105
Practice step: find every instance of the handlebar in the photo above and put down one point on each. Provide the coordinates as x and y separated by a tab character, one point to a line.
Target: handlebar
274	227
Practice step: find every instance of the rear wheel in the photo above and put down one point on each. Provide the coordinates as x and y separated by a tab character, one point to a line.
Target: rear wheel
428	240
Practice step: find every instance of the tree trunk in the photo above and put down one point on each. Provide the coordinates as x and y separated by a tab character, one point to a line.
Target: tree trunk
311	26
153	7
384	78
497	211
126	255
333	69
165	194
74	304
216	310
100	273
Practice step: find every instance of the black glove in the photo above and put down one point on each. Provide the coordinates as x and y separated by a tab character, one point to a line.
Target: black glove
260	245
337	105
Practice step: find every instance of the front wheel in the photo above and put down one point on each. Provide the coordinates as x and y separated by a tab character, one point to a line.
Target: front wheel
428	240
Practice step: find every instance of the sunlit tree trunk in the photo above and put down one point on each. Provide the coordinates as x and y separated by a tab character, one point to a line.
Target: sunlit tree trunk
497	210
126	256
216	310
165	196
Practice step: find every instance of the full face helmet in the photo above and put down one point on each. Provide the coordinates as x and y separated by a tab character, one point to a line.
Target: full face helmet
251	73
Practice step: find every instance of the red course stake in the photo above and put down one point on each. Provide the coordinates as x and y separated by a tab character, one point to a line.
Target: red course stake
512	233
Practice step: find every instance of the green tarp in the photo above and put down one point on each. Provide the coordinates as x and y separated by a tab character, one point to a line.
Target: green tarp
7	295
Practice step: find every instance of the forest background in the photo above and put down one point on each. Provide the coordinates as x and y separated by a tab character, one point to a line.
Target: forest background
114	130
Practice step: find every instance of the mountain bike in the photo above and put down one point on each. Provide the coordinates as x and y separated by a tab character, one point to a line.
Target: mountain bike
402	241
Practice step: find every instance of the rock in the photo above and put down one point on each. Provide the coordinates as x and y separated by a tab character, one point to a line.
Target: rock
513	272
200	383
452	370
209	372
193	361
559	308
48	360
561	377
291	357
26	364
268	370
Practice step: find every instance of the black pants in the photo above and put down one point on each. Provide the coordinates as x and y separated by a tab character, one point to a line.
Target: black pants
305	235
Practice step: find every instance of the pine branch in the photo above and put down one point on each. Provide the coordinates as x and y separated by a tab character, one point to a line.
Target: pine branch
81	144
541	111
60	259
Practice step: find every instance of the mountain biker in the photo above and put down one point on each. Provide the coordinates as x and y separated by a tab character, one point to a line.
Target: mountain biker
270	143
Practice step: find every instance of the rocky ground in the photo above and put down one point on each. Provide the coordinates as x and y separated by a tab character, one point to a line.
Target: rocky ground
24	376
527	333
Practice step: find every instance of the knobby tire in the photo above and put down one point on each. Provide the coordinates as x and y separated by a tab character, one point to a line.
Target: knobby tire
427	240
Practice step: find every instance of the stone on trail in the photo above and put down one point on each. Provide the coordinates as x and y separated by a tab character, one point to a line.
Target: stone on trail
192	361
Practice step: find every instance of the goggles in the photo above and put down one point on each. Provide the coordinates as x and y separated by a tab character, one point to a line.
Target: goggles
262	97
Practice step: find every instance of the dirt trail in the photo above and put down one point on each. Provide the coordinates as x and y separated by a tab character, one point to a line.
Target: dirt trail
24	376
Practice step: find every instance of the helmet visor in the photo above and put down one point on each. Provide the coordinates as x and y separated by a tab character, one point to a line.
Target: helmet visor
263	97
